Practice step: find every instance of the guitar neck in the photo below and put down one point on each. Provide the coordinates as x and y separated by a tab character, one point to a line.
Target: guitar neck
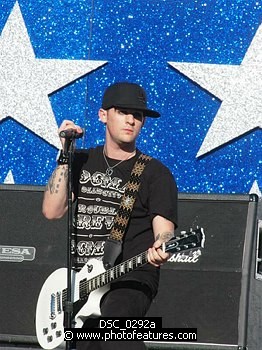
186	241
87	286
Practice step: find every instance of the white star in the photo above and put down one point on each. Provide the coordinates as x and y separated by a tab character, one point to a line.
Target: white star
255	189
239	87
9	178
26	82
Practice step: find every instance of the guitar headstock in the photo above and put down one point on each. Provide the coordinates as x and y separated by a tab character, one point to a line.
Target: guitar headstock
186	241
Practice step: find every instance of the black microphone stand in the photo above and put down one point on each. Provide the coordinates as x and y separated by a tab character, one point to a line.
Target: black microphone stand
68	307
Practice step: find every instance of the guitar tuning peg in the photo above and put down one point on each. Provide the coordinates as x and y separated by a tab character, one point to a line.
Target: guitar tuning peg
184	233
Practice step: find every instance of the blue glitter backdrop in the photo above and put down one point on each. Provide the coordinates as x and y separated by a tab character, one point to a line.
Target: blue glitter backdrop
138	40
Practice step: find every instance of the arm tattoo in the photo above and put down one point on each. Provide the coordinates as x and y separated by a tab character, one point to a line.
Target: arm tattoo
165	236
59	174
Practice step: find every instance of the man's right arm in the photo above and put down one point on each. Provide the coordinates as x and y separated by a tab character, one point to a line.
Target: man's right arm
55	201
55	197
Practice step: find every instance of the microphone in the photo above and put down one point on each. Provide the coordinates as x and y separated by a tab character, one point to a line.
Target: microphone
71	134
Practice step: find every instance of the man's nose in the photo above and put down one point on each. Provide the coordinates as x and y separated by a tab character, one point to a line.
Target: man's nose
130	118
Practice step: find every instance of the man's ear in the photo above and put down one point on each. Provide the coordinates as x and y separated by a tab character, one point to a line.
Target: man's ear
102	113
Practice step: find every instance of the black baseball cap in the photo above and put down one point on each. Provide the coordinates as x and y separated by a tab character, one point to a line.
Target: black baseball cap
127	95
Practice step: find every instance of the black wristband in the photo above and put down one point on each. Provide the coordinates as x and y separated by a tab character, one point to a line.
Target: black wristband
63	158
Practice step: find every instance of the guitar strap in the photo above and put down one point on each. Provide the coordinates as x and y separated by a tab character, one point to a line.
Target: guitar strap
113	245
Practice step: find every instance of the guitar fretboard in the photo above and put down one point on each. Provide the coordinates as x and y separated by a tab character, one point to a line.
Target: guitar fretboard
87	286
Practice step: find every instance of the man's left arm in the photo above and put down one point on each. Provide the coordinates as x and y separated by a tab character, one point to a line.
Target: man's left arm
163	231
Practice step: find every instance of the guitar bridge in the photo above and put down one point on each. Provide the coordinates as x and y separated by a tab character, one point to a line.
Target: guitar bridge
59	302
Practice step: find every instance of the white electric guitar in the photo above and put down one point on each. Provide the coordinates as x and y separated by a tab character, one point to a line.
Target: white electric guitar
88	286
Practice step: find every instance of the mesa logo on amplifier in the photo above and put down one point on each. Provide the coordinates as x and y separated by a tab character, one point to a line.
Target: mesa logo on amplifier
16	253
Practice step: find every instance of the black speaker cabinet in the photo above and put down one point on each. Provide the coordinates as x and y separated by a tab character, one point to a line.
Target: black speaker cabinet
31	247
209	288
214	289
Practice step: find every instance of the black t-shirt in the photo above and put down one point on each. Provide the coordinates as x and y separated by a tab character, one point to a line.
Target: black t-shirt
98	199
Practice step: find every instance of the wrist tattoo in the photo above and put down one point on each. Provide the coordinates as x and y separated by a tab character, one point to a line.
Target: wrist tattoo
60	174
165	236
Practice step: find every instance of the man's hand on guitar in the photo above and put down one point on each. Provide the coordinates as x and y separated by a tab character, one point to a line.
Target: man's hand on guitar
156	256
163	231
